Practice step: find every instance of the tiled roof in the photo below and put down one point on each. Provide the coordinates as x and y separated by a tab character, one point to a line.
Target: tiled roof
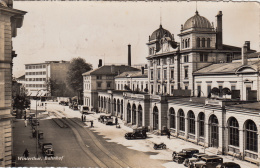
220	68
223	68
110	70
133	74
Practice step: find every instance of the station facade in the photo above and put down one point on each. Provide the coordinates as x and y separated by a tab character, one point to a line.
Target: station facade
178	95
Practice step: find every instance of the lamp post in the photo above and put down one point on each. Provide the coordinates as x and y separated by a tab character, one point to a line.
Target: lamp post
36	130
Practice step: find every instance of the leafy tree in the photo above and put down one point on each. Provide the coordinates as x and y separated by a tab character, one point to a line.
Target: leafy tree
77	67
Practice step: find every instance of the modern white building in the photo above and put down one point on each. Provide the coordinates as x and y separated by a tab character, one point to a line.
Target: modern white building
38	76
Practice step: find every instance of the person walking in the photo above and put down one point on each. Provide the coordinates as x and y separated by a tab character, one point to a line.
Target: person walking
82	117
25	123
26	153
91	123
169	134
116	121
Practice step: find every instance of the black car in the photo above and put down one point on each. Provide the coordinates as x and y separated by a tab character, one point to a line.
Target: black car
229	165
47	149
179	157
136	134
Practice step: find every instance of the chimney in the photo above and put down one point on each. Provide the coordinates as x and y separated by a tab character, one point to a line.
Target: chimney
219	38
142	70
247	43
244	54
99	63
129	55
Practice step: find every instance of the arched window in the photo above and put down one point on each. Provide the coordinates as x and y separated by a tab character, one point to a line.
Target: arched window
134	114
203	42
114	105
198	42
101	102
140	116
214	131
118	106
191	119
233	132
128	113
201	124
155	118
251	136
182	44
172	118
182	120
208	42
186	43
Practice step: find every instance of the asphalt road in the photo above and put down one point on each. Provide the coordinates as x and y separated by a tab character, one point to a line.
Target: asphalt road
78	146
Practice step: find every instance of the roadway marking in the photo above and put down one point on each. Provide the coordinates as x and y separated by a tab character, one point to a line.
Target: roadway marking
87	146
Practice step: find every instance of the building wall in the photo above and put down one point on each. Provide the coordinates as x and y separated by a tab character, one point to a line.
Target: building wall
7	31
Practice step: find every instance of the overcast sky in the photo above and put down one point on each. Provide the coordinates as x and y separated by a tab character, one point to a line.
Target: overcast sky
62	30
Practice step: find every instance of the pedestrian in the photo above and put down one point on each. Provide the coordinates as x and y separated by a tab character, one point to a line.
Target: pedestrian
169	134
33	133
26	153
116	121
84	118
91	123
25	123
24	116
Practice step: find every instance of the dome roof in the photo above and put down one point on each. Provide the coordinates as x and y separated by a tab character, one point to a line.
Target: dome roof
160	33
197	21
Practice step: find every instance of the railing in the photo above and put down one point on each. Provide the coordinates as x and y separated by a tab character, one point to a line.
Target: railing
251	154
201	139
191	136
233	149
182	133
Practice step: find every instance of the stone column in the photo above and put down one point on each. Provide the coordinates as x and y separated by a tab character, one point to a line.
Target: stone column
196	131
186	127
206	134
241	142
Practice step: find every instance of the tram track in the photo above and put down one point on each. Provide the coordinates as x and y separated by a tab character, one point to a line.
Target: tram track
84	136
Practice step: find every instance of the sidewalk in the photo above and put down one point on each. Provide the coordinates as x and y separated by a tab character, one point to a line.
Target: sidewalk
116	135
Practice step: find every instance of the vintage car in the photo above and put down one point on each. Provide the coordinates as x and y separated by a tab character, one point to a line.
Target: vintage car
108	120
179	157
196	157
229	165
209	162
159	146
47	149
84	109
136	134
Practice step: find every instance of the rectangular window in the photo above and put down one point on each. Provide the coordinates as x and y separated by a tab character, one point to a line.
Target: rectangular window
186	87
99	84
164	61
172	89
159	74
108	85
220	91
151	74
99	77
151	89
203	57
158	89
165	74
172	73
158	62
186	72
172	60
209	89
185	58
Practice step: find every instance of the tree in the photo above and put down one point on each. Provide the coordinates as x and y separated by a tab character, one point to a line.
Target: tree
77	67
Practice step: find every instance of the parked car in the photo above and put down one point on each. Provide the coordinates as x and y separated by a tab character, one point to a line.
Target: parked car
47	149
84	109
108	120
136	134
209	162
229	165
179	157
196	157
159	146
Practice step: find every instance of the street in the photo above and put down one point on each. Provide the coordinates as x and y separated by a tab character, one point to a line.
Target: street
77	144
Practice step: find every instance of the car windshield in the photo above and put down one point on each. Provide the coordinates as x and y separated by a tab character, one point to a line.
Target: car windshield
47	146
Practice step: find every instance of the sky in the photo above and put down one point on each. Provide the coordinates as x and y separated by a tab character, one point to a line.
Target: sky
93	30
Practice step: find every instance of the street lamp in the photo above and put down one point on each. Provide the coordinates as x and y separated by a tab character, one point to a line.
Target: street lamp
36	130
